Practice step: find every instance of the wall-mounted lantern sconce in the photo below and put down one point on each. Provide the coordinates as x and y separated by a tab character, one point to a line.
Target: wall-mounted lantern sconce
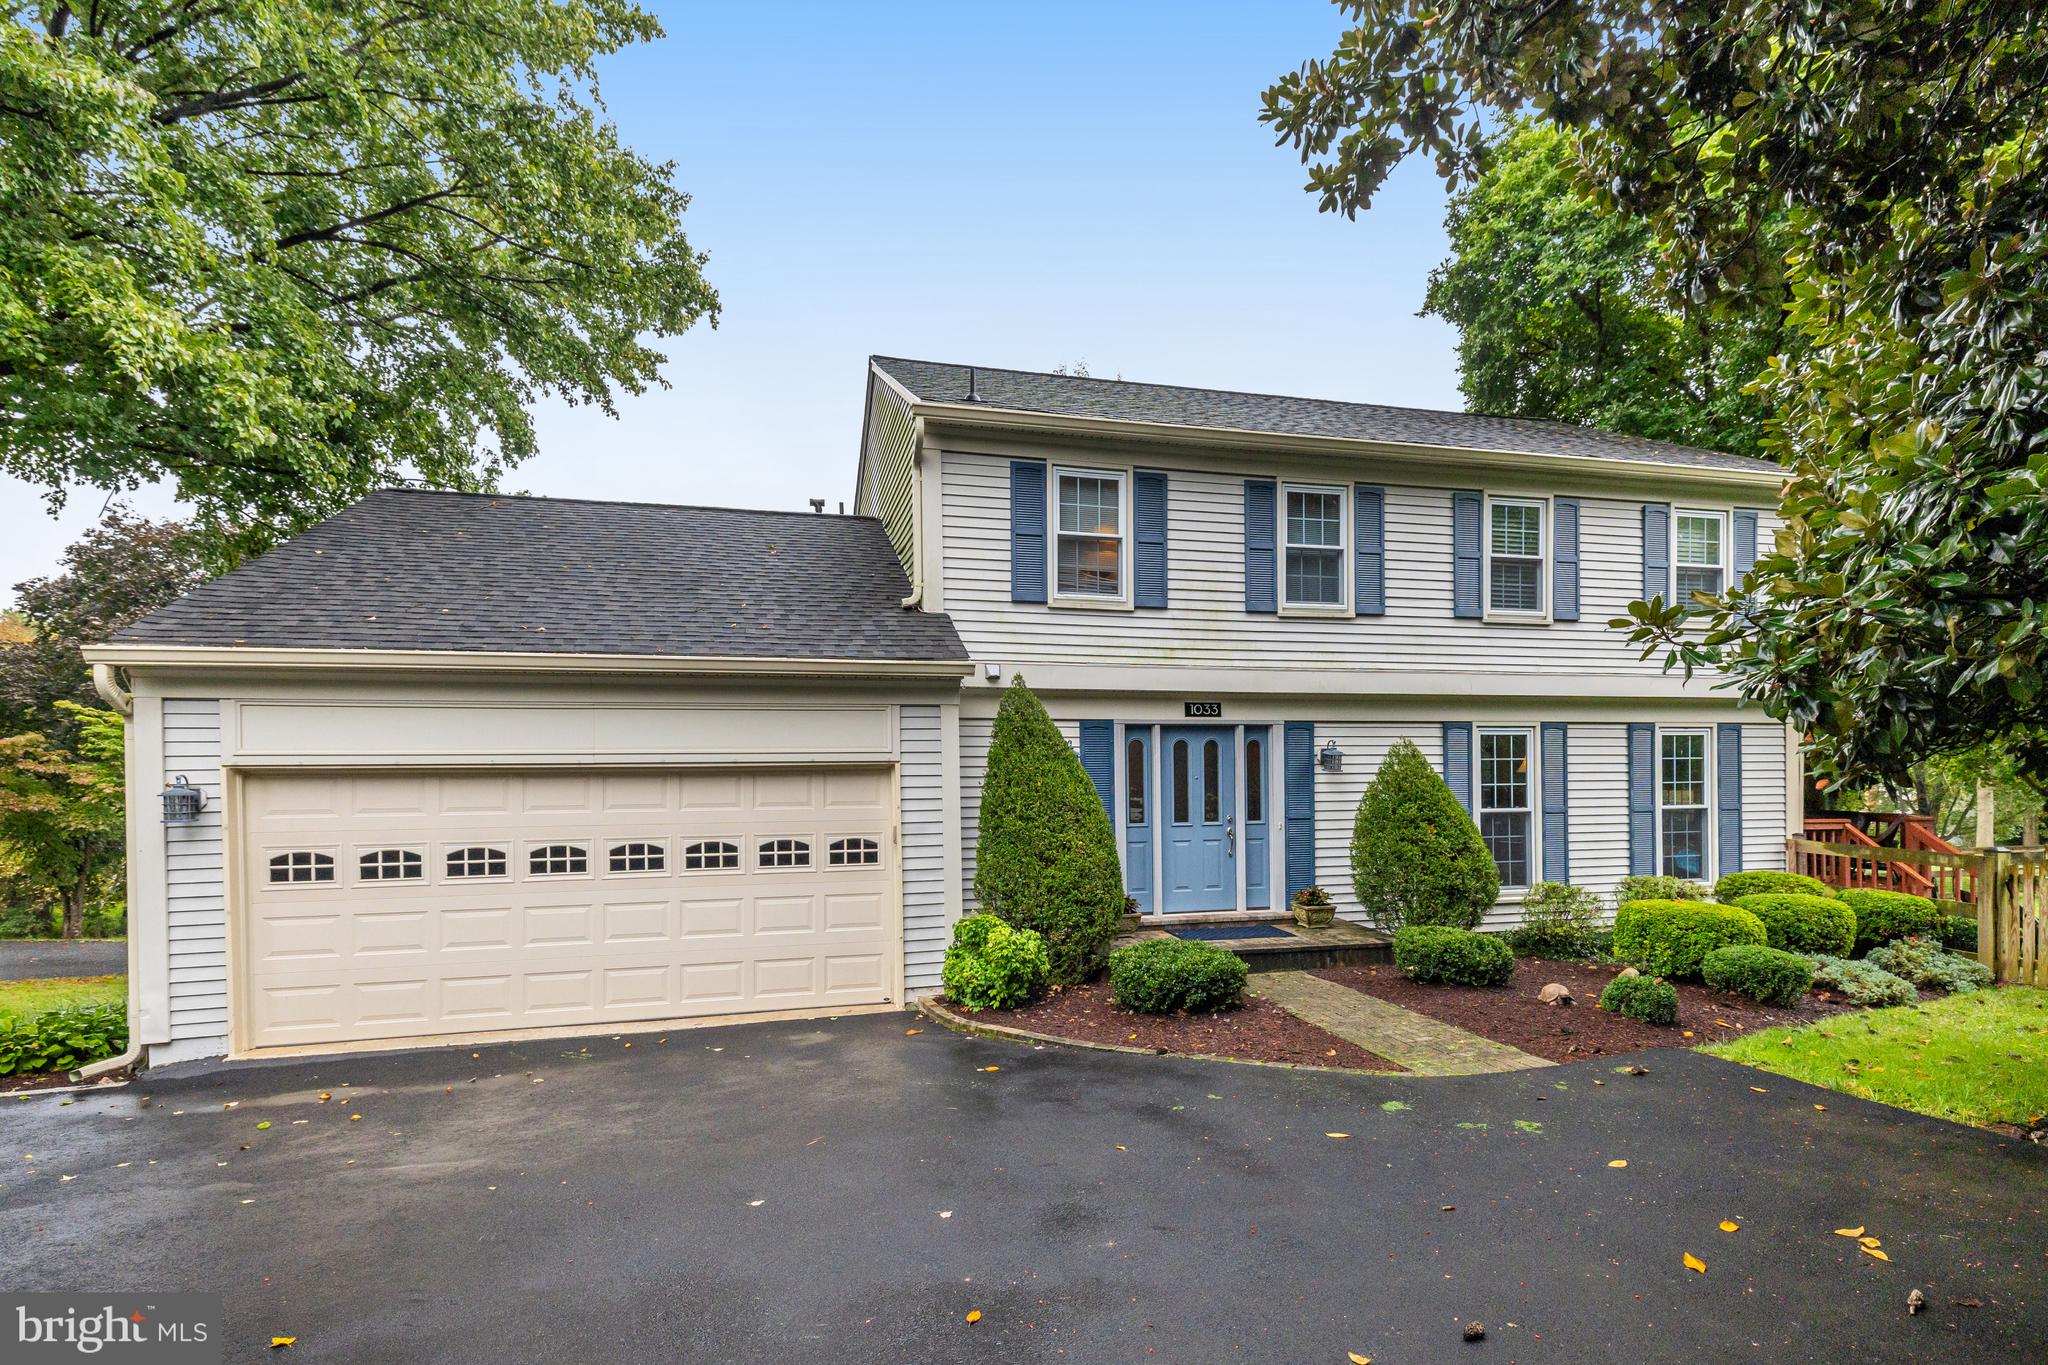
182	802
1332	758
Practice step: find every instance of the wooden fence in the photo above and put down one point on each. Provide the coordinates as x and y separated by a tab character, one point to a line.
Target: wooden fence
2008	888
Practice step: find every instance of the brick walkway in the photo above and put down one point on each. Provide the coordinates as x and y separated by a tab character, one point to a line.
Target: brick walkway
1424	1045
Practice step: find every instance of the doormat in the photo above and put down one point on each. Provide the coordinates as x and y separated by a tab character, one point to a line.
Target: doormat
1224	933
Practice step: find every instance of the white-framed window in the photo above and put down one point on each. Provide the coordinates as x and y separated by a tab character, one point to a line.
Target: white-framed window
557	860
1684	816
637	855
476	861
301	865
1517	544
853	852
1699	560
1313	532
390	865
784	853
1507	812
1090	513
711	855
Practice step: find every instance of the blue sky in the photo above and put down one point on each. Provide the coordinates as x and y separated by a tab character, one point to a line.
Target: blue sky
1013	185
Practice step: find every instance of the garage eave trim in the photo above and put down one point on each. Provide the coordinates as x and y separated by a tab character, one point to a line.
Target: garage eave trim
486	661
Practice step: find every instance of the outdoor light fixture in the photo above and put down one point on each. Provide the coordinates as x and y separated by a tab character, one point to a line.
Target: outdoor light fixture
1332	758
182	802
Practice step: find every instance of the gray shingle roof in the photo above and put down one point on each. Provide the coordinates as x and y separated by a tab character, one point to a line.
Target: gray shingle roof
1123	401
412	570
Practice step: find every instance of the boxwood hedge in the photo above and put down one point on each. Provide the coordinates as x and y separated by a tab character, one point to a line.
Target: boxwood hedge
1673	938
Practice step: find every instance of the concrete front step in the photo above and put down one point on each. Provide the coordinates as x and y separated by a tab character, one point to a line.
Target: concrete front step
1339	944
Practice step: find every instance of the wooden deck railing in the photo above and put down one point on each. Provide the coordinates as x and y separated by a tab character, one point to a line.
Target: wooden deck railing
2008	888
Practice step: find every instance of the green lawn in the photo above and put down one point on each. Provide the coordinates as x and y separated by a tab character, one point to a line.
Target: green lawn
23	998
1977	1058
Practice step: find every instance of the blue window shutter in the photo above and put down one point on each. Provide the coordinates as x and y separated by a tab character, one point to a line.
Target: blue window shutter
1027	531
1300	740
1458	761
1467	510
1642	800
1148	515
1745	541
1656	552
1261	585
1564	568
1728	795
1557	855
1369	574
1098	760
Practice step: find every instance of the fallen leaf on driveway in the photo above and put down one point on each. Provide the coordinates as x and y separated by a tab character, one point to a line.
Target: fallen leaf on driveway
1856	1231
1873	1251
1693	1262
277	1343
264	1124
1869	1242
1336	1135
1356	1359
991	1068
912	1032
1760	1090
1728	1225
1616	1165
974	1316
1823	1108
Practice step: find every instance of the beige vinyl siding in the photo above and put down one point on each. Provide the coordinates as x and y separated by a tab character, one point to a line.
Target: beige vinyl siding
925	927
890	487
975	737
1206	623
195	883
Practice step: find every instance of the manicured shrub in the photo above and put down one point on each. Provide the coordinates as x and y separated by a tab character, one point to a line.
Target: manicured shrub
61	1039
1882	916
1673	938
1925	963
1957	927
1166	975
1642	997
1766	975
1046	859
1859	983
1458	957
1416	856
1803	924
1734	886
1658	889
1559	920
992	966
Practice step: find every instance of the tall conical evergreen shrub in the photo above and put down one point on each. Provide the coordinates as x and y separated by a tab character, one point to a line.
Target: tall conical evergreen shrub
1416	856
1046	855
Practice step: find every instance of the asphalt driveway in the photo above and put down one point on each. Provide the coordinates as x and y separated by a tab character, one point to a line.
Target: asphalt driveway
25	959
846	1192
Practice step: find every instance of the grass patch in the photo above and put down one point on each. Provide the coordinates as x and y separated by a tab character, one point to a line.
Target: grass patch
1979	1058
25	998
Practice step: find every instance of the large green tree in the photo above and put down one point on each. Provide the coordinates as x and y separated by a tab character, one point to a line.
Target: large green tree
1899	615
1564	310
278	253
62	816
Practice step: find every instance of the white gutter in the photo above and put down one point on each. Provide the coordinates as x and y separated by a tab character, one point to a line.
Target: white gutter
1108	428
103	682
500	661
916	597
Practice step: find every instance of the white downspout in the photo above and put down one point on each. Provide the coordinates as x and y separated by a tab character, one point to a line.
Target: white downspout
104	683
916	597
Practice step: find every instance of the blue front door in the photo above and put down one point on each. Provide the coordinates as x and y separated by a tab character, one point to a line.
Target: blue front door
1198	780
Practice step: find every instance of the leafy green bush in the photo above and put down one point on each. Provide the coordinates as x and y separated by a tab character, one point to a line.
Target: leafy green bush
1416	856
1673	938
1882	916
1658	889
1559	920
1924	962
1859	983
992	966
62	1039
1046	859
1459	957
1766	975
1957	927
1803	924
1642	997
1166	975
1735	885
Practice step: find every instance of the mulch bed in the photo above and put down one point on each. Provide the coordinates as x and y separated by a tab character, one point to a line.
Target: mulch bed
1513	1015
51	1080
1259	1032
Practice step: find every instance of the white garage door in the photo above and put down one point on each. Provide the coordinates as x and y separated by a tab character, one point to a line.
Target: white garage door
391	905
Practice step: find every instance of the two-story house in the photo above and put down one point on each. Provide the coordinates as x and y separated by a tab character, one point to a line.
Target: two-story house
451	764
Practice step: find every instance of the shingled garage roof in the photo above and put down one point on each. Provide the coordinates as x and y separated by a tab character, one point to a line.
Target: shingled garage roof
1118	400
408	570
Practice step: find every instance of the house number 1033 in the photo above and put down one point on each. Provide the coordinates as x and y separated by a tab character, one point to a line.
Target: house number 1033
1202	710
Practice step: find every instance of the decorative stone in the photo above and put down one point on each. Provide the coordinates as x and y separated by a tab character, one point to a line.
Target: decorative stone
1556	993
1475	1331
1627	971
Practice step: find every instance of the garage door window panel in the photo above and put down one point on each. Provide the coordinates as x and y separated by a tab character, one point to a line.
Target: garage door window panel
478	860
784	853
853	852
711	855
637	857
390	865
558	860
299	866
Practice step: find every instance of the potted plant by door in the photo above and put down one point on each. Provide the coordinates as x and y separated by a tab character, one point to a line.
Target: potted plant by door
1130	921
1313	908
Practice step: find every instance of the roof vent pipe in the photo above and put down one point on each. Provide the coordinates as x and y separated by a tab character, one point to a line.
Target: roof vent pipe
972	396
818	505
